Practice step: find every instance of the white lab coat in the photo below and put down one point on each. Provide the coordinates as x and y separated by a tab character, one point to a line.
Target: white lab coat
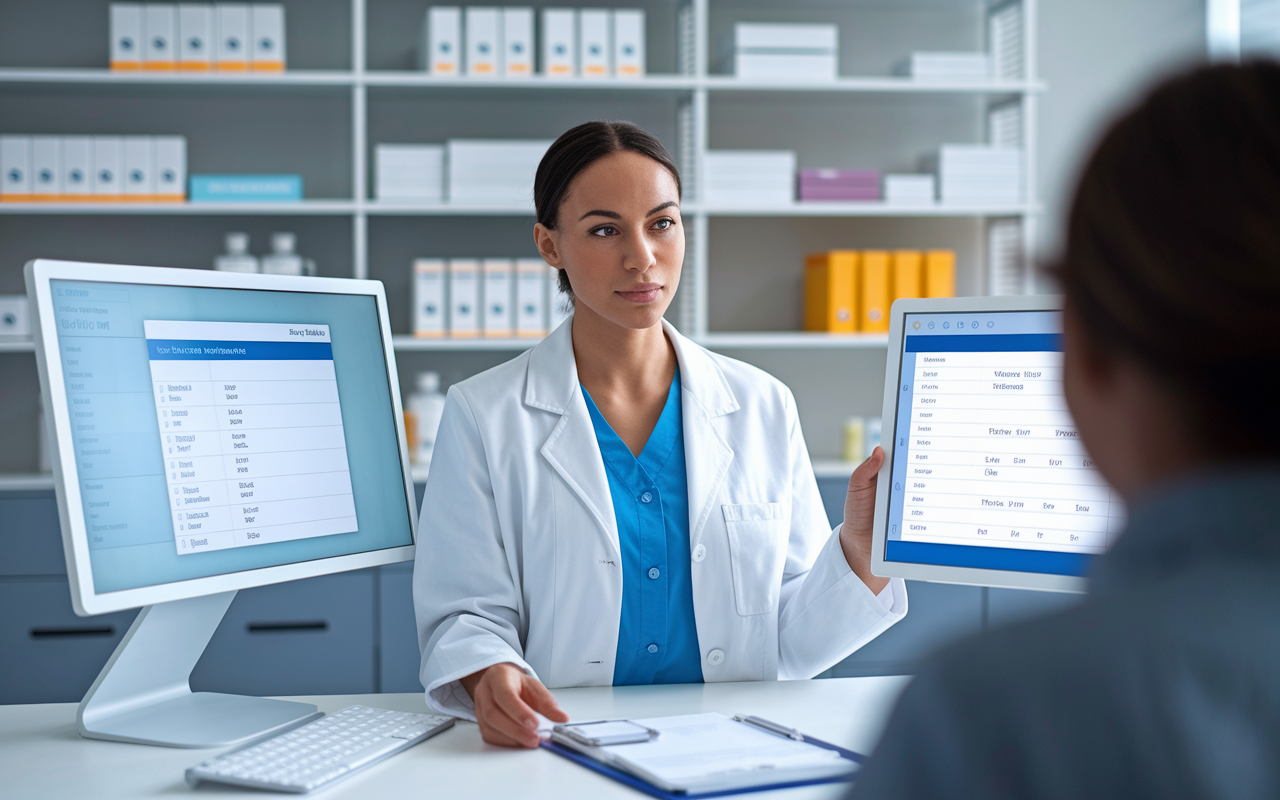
518	557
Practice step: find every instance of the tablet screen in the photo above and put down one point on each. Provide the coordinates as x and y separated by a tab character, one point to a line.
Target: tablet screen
988	469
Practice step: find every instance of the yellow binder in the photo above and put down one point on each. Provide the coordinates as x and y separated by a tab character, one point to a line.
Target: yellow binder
940	273
873	294
829	291
908	274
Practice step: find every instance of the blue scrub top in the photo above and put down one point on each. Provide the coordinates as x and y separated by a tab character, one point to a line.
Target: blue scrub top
658	638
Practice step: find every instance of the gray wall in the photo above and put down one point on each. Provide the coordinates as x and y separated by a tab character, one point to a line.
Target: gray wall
1097	56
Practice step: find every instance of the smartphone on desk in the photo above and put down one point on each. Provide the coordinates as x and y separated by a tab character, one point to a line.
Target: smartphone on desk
603	733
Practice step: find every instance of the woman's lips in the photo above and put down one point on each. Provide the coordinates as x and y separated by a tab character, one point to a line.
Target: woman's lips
643	293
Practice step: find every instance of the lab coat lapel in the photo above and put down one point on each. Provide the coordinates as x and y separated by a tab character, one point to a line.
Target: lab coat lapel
707	456
551	384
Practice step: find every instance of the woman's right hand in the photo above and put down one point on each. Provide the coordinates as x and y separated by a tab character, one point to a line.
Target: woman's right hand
506	699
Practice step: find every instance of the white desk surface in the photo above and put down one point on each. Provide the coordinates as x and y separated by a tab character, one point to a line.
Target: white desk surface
41	755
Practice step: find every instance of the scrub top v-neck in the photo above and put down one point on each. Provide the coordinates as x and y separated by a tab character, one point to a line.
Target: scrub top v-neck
657	638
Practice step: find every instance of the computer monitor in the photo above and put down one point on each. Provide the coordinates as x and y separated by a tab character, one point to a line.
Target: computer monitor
212	432
985	480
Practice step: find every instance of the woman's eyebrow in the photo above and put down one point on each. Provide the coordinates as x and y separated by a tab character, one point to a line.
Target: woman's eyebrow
656	209
600	213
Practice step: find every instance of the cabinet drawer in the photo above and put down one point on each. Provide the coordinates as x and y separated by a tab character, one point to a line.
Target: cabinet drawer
314	636
49	654
30	536
401	660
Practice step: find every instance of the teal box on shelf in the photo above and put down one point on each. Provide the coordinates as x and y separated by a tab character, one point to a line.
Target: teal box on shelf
246	188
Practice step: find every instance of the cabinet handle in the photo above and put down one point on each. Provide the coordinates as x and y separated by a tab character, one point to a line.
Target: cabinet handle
287	627
68	633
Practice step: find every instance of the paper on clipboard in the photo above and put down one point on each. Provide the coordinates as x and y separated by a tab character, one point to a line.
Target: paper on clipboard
710	752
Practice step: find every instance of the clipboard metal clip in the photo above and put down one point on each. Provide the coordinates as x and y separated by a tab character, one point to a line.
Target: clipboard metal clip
772	727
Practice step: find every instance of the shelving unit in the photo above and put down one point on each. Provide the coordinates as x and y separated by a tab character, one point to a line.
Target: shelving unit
740	288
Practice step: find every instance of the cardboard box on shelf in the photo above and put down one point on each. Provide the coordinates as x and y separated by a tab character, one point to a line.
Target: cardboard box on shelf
77	169
159	26
594	48
126	36
46	168
231	48
441	50
484	35
559	42
849	185
830	292
409	172
266	37
531	297
517	42
628	43
195	37
463	290
498	318
783	52
429	299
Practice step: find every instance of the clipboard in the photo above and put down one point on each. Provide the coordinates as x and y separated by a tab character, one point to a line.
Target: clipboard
644	786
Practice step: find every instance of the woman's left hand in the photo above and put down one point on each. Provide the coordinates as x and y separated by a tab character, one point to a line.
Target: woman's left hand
859	511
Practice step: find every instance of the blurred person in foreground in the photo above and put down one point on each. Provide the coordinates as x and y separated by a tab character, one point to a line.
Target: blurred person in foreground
1165	681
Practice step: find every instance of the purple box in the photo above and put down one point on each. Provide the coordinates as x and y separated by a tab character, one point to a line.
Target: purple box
839	184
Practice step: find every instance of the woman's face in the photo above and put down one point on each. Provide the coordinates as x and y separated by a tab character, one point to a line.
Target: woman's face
620	238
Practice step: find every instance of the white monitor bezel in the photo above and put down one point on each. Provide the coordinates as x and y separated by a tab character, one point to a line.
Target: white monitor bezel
893	372
84	597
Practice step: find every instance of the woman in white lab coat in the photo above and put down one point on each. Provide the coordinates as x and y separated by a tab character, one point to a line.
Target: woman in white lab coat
619	505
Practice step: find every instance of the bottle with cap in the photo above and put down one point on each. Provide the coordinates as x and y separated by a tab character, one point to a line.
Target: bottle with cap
237	258
283	259
426	405
855	439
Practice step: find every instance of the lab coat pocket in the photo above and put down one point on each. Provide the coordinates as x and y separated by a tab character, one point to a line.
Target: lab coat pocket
758	534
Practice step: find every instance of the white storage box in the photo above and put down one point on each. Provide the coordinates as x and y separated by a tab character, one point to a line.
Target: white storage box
628	43
559	42
909	190
464	297
594	48
15	319
777	52
498	318
441	49
750	177
46	167
495	171
978	174
409	172
484	52
517	42
266	35
429	301
941	66
126	36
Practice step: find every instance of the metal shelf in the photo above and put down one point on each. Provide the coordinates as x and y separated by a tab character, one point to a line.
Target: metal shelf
791	340
17	346
866	209
130	78
22	482
305	207
415	343
874	84
411	209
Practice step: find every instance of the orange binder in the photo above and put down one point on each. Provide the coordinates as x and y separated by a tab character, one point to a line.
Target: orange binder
830	291
940	273
874	292
908	274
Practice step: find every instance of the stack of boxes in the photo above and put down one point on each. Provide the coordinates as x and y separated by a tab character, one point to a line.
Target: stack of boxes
946	66
778	52
750	177
839	184
850	291
491	42
909	190
409	172
93	168
225	36
482	171
979	174
489	297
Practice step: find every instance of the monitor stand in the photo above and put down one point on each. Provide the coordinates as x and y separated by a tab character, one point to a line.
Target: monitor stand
143	695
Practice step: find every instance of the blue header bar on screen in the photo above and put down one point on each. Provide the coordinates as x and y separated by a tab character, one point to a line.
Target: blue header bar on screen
188	350
989	343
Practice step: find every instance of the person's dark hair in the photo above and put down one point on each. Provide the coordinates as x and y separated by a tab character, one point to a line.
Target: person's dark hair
577	149
1172	253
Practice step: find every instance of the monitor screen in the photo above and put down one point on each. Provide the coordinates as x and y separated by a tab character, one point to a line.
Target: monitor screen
988	469
223	430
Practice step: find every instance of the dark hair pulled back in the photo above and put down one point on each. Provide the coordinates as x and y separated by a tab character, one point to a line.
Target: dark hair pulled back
1172	252
577	149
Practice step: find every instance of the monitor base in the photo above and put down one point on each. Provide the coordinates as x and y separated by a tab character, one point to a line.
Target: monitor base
143	694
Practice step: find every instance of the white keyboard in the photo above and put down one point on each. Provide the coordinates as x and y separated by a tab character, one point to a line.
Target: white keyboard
319	753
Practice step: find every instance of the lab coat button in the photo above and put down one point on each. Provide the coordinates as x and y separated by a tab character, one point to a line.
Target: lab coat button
653	648
699	552
715	657
654	572
646	497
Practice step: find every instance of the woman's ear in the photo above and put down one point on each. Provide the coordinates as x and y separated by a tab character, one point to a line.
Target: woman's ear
548	242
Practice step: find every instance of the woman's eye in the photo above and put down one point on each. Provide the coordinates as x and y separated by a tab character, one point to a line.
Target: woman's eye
606	230
664	224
